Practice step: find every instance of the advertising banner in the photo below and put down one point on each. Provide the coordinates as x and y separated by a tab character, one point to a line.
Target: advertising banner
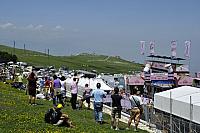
185	81
187	49
173	48
152	48
134	80
142	47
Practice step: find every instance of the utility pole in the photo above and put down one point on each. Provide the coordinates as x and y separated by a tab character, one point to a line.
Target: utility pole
24	47
45	52
48	55
14	48
171	122
191	115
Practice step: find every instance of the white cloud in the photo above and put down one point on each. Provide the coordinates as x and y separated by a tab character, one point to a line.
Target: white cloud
38	27
7	25
58	27
30	26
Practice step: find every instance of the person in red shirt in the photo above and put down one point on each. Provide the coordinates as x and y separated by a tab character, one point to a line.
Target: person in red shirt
47	87
32	79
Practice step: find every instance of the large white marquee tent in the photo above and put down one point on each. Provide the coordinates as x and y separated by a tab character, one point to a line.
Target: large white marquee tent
180	106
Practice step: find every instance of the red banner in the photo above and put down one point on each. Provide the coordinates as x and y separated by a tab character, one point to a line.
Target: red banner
134	80
185	81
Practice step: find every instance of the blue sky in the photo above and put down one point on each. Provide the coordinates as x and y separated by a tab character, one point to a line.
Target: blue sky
111	27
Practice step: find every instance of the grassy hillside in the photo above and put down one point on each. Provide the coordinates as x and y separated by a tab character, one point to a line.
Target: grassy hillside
19	117
101	63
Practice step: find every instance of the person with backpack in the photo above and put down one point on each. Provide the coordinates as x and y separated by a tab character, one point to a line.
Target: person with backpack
53	114
136	109
57	118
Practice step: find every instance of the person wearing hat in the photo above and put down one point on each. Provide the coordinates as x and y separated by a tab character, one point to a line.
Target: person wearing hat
62	119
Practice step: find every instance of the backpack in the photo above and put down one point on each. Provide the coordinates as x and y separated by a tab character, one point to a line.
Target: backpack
51	116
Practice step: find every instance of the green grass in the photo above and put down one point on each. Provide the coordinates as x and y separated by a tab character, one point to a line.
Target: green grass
101	63
19	117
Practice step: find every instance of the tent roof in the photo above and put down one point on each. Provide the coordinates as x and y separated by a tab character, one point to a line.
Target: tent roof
182	94
166	57
180	102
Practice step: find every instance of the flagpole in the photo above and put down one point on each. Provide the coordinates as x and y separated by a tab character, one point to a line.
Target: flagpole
142	50
189	56
187	52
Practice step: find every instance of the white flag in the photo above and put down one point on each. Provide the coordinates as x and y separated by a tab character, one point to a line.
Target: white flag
173	48
187	49
142	47
152	46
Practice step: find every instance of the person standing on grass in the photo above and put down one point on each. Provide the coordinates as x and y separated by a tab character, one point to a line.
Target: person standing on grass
98	95
86	96
74	91
57	98
63	88
41	82
20	81
136	109
46	87
116	109
32	79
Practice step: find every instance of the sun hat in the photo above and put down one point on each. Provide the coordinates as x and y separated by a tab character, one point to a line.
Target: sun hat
59	106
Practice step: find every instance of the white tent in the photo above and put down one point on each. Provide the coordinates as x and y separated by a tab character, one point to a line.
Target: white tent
91	82
180	102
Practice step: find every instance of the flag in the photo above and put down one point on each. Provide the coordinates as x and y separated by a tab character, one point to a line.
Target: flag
187	49
142	47
173	48
152	46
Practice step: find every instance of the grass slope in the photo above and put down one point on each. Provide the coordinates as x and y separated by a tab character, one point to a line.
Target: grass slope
101	63
19	117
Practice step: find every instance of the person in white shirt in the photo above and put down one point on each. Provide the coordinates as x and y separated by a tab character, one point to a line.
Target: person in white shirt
136	109
63	88
74	91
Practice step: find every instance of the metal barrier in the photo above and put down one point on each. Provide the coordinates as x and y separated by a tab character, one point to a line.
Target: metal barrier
179	125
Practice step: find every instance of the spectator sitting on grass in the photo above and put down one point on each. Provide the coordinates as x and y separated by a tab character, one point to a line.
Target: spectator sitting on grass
63	119
57	118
